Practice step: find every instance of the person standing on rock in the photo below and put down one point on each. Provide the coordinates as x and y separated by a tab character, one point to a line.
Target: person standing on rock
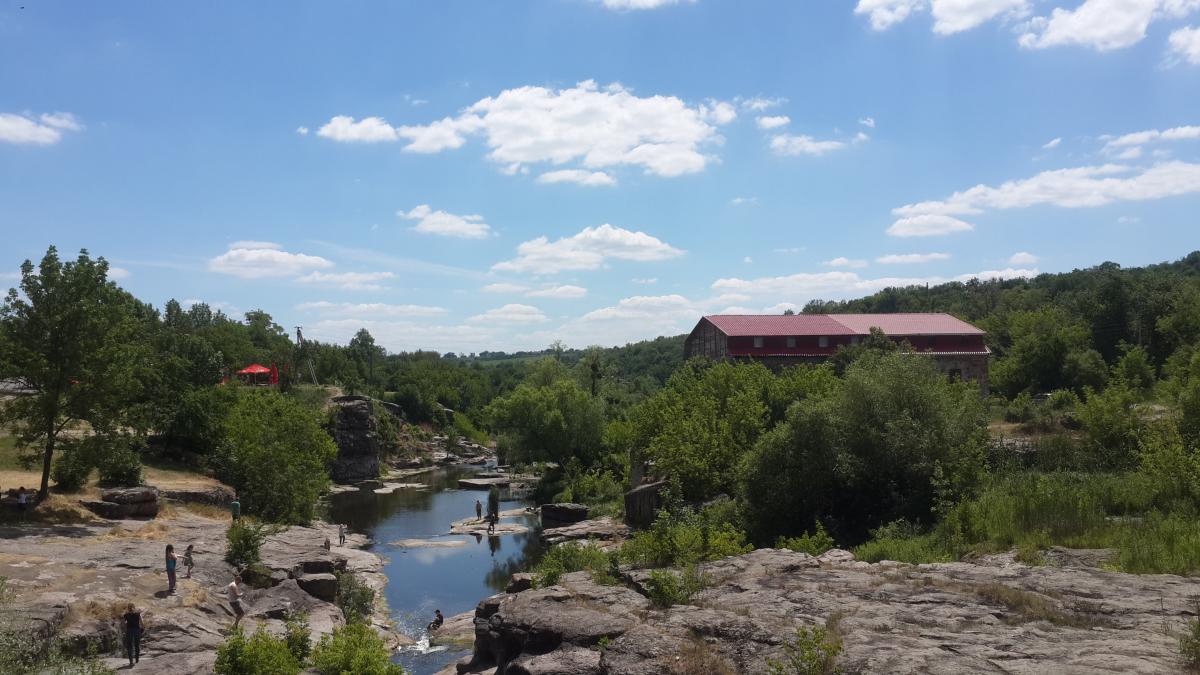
341	534
478	510
133	634
188	562
172	561
235	600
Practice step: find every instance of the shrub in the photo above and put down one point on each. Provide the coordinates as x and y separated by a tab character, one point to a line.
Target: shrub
684	537
356	599
198	425
119	463
667	587
813	651
72	467
596	488
243	539
1189	644
1020	409
259	654
903	541
575	557
1112	425
354	648
296	635
813	544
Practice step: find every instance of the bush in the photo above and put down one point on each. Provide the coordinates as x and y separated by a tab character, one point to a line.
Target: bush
1020	409
260	654
904	542
72	467
296	635
275	454
120	464
813	544
1112	425
814	651
354	648
574	557
356	599
684	537
597	488
1189	644
243	540
667	587
1161	545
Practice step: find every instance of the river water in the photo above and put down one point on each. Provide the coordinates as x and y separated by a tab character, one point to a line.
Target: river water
421	580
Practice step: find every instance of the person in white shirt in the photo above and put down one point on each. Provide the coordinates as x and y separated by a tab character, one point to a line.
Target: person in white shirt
235	600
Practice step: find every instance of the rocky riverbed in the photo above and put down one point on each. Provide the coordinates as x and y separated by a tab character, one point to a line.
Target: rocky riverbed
72	582
991	616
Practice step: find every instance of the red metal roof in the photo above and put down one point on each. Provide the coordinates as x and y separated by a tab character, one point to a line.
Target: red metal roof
840	324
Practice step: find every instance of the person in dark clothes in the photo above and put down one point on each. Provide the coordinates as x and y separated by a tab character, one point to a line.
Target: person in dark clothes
172	561
478	510
133	634
438	619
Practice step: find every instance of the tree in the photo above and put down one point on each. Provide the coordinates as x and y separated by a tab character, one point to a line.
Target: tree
72	338
552	422
276	455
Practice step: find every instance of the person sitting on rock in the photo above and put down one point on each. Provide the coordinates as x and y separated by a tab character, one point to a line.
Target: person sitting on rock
133	634
437	621
235	600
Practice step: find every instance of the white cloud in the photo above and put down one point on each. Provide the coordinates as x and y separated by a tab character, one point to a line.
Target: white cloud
843	261
887	13
800	288
344	129
117	273
641	4
860	137
20	129
564	292
1184	45
1022	258
645	281
578	176
1128	220
911	258
788	144
748	260
738	201
375	309
597	128
927	225
504	287
353	281
772	121
644	307
1130	153
1052	143
303	131
1080	187
868	122
446	224
587	250
1139	138
955	16
782	307
759	103
250	262
250	243
511	313
1101	24
405	335
792	249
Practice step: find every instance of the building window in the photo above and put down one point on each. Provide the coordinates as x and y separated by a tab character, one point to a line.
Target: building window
823	341
791	343
758	343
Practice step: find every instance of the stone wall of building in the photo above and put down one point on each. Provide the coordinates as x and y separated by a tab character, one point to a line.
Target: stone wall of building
706	340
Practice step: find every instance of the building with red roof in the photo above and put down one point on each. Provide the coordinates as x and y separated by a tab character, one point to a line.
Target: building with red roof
781	340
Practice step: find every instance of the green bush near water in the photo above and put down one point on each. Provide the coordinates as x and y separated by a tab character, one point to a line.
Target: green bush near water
354	649
259	654
575	557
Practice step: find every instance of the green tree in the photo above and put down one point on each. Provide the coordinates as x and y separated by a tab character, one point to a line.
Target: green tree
1050	350
552	422
276	455
73	339
354	649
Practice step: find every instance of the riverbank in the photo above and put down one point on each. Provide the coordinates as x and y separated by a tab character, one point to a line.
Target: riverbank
72	582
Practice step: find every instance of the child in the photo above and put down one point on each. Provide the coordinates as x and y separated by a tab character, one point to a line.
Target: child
171	562
188	562
235	600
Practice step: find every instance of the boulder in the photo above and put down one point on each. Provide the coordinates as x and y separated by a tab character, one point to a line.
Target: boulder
322	586
130	495
213	495
114	511
521	581
355	430
605	532
642	503
563	514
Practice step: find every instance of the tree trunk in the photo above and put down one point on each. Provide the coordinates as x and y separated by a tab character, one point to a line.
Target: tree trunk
50	438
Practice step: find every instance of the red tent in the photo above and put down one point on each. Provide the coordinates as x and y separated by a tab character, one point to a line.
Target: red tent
254	369
253	374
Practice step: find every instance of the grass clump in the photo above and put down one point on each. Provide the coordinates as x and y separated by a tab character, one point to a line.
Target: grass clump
697	658
686	537
1161	545
813	651
576	557
666	587
813	544
1189	645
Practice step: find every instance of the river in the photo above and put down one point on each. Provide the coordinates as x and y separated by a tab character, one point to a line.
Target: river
421	580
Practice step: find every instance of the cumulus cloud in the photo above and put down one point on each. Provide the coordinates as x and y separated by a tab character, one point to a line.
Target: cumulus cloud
645	281
1052	143
928	225
1102	25
642	4
352	281
911	258
254	262
118	273
759	103
564	292
1022	258
251	243
577	176
510	313
588	125
1133	141
644	307
365	309
1128	220
303	131
843	261
1080	187
1184	46
886	13
45	130
949	16
789	144
772	121
400	335
587	250
800	288
446	224
868	122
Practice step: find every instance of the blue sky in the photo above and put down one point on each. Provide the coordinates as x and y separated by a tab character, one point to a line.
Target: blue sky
467	176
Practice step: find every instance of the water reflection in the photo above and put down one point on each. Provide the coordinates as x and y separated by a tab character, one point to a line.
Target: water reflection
452	579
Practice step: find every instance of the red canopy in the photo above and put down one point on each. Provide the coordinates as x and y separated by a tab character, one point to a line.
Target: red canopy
253	369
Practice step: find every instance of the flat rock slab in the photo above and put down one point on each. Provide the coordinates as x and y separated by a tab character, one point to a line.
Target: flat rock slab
428	543
604	532
483	483
480	528
389	488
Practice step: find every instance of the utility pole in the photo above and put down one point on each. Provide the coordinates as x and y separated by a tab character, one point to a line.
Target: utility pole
300	341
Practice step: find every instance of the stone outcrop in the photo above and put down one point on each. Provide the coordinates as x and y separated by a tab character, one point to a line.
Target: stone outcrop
557	515
214	495
604	532
355	430
122	503
999	617
642	503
